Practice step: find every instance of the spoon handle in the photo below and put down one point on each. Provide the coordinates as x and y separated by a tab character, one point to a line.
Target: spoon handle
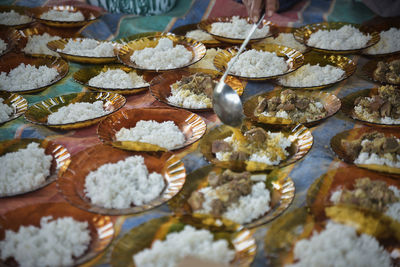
242	47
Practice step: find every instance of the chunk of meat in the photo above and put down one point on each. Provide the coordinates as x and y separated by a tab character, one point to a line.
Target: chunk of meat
376	103
385	109
229	175
390	145
214	179
196	200
262	104
239	156
256	135
352	148
217	207
220	146
302	103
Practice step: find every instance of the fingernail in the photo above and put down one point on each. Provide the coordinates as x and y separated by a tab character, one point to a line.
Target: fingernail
270	13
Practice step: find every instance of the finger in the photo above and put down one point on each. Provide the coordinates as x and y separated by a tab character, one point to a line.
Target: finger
255	10
271	7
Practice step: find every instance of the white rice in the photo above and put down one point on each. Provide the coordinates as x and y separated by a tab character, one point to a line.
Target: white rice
207	62
117	78
363	114
122	184
5	111
187	242
237	28
3	46
366	158
285	39
388	43
37	44
393	211
199	35
261	155
345	38
27	77
13	18
63	15
54	243
340	245
247	209
24	170
164	56
187	99
77	112
88	48
312	75
253	63
165	134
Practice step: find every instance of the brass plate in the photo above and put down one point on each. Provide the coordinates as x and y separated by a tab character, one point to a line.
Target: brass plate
142	236
160	86
39	112
296	225
192	125
293	58
60	44
17	102
10	36
348	107
320	191
370	67
278	183
182	30
331	104
299	135
350	135
205	25
18	9
341	62
13	60
71	181
197	48
84	75
101	227
302	35
91	14
59	153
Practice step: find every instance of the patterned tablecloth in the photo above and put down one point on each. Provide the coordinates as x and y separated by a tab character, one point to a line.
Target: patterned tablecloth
112	26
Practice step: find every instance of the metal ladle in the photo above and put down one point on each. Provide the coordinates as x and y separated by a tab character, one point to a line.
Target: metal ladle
226	102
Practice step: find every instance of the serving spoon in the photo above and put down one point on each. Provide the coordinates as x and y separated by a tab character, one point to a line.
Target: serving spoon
226	102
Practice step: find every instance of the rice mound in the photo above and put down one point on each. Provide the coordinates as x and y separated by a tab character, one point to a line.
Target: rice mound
187	99
285	39
345	38
340	245
253	63
3	46
387	44
37	44
164	56
363	114
117	78
62	15
54	243
187	242
27	77
278	144
5	111
165	134
312	75
86	47
199	35
237	28
247	209
77	112
24	170
373	158
119	185
207	62
13	18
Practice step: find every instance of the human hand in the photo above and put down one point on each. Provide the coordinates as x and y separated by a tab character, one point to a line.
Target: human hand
254	8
